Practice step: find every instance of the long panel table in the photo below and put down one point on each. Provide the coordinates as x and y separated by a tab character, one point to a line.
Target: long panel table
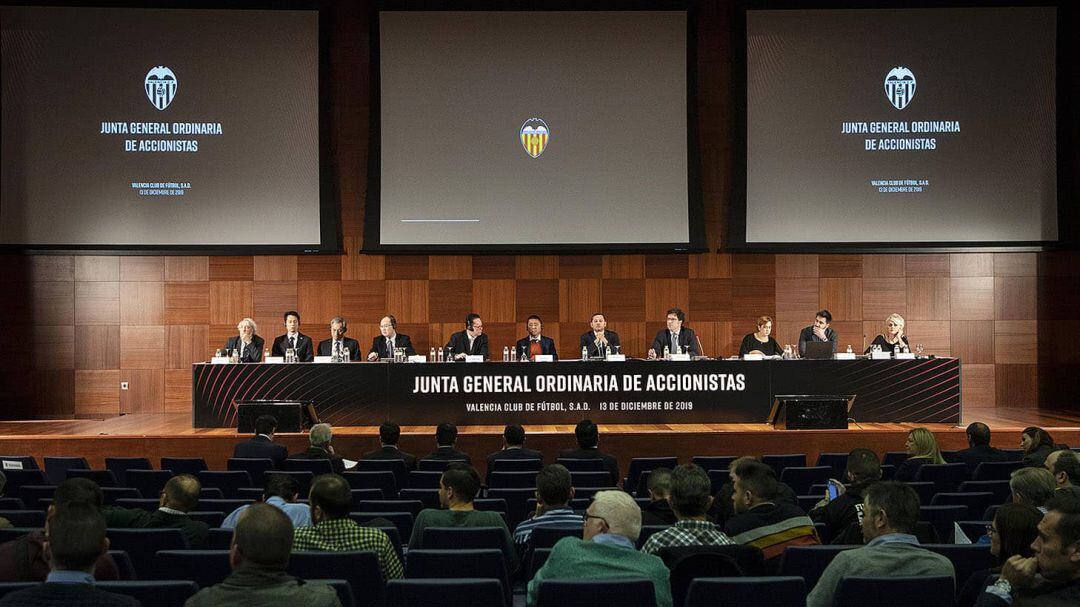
635	391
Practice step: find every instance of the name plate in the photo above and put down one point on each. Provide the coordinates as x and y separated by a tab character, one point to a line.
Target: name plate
749	356
324	359
544	358
683	356
274	360
845	356
474	358
905	356
880	355
418	358
219	360
616	358
9	465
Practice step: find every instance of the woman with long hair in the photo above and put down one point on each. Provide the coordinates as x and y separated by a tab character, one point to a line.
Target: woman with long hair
1037	444
922	449
1014	528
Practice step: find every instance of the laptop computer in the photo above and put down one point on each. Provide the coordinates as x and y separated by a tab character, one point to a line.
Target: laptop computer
819	350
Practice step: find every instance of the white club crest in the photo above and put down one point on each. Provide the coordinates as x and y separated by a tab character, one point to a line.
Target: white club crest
161	86
900	87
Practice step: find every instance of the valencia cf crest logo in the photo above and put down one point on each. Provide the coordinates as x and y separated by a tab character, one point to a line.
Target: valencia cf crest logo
161	86
535	136
900	87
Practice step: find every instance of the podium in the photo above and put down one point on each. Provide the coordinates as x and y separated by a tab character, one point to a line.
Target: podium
810	411
291	415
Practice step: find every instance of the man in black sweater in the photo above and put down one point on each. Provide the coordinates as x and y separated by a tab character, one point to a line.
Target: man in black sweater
588	439
979	449
843	515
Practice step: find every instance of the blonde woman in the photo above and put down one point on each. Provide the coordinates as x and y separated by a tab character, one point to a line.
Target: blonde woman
922	449
761	342
893	338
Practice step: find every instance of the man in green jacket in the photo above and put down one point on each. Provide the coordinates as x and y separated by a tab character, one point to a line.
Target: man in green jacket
180	496
259	553
612	527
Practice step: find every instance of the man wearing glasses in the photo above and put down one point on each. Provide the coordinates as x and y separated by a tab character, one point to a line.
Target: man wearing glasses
612	527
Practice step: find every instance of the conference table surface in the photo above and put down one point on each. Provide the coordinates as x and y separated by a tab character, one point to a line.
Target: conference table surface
923	390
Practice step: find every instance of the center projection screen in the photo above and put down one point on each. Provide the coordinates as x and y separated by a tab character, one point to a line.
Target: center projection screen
500	130
931	127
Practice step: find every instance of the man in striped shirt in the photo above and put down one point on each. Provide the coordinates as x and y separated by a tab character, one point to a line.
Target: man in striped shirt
553	495
761	522
690	499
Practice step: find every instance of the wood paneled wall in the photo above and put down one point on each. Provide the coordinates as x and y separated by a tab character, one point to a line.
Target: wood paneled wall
81	325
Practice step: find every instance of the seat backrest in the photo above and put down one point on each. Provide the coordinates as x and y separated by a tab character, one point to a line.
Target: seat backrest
11	533
343	589
779	462
999	489
359	568
402	521
111	494
168	593
125	569
120	465
713	462
228	481
219	539
256	467
184	465
546	536
25	518
946	477
773	591
34	495
19	478
204	567
748	559
150	483
592	479
423	479
894	458
479	563
966	558
103	478
582	465
303	479
809	562
429	497
801	478
943	517
896	591
397	466
17	462
516	503
57	467
491	504
836	461
482	592
516	465
925	491
221	505
647	531
450	538
701	564
143	544
12	503
411	506
995	471
512	480
975	502
314	466
383	480
623	592
537	559
435	465
638	465
210	517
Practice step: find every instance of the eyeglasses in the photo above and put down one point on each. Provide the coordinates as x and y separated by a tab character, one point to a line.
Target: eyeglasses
589	516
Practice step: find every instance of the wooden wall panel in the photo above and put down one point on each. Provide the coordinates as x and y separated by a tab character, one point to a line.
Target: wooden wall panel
797	299
1015	264
97	347
581	266
539	297
53	347
927	264
407	267
450	267
317	302
269	300
624	266
971	298
408	299
318	267
187	344
662	294
1016	385
797	266
494	300
972	264
54	393
710	265
935	335
884	296
1015	297
142	303
97	303
279	268
187	303
98	392
235	268
622	300
142	269
884	266
96	268
142	347
229	301
177	390
145	393
1016	342
363	301
187	269
52	268
977	385
494	266
842	297
973	341
363	267
667	266
52	303
536	266
450	300
634	337
579	299
840	266
711	299
927	298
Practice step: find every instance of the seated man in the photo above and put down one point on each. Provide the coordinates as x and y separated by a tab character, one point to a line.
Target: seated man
761	522
843	515
180	496
891	512
534	343
293	339
338	343
676	338
658	511
723	507
979	449
612	527
588	439
458	487
513	448
319	438
76	542
554	491
819	331
248	345
599	338
280	491
389	435
262	445
334	531
445	439
388	339
471	341
259	554
1052	576
1064	464
691	496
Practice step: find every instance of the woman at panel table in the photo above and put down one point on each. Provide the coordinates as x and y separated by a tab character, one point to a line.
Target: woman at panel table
761	342
893	339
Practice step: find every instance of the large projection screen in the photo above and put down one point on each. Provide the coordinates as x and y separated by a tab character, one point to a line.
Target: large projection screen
519	130
181	129
887	127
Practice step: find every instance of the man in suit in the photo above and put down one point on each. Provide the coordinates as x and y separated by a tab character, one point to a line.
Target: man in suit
513	448
588	439
676	337
76	541
599	337
262	445
294	339
979	449
470	341
180	496
383	345
819	331
445	438
247	344
535	343
389	434
319	438
338	342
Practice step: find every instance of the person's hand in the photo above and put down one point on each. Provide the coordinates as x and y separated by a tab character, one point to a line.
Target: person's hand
373	356
459	356
840	488
602	339
757	352
819	332
330	449
652	354
1020	571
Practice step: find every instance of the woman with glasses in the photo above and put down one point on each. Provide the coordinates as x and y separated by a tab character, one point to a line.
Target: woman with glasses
1012	532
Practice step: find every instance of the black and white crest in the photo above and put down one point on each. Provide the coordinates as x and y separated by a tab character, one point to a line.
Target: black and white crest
161	86
900	87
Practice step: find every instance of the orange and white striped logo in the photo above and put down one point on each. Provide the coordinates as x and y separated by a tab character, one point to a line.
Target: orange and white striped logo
535	136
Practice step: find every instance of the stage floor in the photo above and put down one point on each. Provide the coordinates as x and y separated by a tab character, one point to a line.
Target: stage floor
171	434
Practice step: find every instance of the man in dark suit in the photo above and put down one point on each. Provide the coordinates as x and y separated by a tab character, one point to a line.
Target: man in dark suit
247	344
445	438
76	542
338	342
535	343
470	341
262	445
513	448
596	340
180	496
383	345
979	449
675	335
319	439
588	437
294	339
389	434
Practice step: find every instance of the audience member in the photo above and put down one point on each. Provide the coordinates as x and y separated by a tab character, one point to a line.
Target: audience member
658	511
1037	444
4	523
723	507
843	515
759	520
280	491
891	512
259	553
262	445
513	448
458	487
588	440
923	449
445	439
320	439
1052	575
1064	464
76	541
333	531
1014	528
389	435
554	491
612	527
1032	486
24	560
691	496
180	496
979	449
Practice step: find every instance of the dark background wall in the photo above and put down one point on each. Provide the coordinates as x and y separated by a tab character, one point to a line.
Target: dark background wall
77	326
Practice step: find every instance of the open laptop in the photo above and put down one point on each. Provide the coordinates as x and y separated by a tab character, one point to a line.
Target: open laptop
819	350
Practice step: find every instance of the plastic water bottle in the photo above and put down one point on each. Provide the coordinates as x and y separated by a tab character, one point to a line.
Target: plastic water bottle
513	355
584	353
607	351
506	354
667	354
431	357
849	349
